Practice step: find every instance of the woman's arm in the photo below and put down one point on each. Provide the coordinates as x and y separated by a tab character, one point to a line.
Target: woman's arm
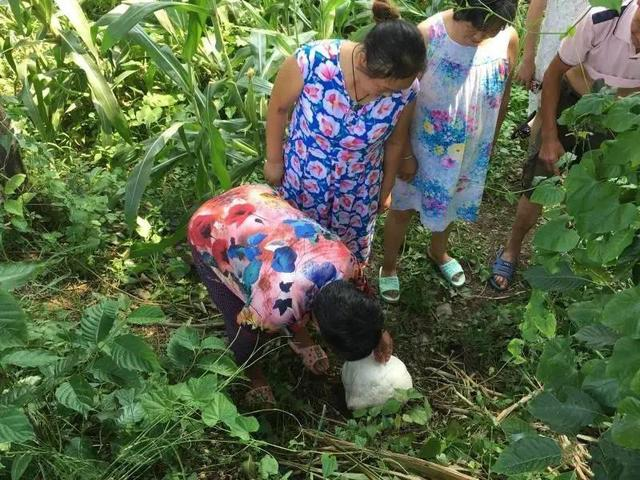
393	150
527	68
286	91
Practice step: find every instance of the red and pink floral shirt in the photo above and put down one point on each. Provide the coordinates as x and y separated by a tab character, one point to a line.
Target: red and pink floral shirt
269	254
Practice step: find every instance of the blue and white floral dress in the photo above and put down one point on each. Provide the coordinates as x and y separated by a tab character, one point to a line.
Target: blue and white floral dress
333	155
453	128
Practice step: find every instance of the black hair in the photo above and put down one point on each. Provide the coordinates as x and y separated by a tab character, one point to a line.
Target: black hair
393	48
486	15
350	321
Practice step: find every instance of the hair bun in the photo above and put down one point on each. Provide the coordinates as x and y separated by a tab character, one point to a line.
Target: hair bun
384	10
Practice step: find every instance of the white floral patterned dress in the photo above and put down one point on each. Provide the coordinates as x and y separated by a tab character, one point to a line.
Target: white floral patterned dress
453	128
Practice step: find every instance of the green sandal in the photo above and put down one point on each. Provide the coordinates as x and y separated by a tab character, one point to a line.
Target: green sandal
450	269
386	285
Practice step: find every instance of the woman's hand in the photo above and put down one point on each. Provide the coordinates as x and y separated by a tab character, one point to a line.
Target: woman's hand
408	169
526	72
550	152
382	353
273	172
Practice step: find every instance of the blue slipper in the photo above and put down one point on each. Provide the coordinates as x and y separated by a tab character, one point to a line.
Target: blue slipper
502	268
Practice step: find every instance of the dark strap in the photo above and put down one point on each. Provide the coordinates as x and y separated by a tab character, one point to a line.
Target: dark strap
607	15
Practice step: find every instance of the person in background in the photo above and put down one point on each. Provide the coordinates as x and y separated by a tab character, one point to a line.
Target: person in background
461	105
269	269
604	49
352	105
547	22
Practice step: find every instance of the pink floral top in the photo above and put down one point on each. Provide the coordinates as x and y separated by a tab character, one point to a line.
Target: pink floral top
269	254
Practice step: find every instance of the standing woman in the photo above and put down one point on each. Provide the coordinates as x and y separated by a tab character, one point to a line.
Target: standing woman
462	102
547	22
352	106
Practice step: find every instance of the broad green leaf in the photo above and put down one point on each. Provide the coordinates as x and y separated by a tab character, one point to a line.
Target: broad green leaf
609	247
619	118
625	430
182	346
586	313
29	358
76	394
97	321
17	274
199	391
141	174
20	465
625	361
555	236
136	13
329	465
14	206
106	370
73	11
14	183
557	365
595	205
598	384
613	462
597	336
103	98
529	454
132	352
12	322
213	343
147	315
622	313
195	28
14	426
221	364
220	409
566	411
419	415
516	428
563	280
159	404
538	316
218	158
548	194
268	466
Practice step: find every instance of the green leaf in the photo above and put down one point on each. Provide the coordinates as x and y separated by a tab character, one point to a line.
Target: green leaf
268	466
73	11
14	426
221	364
609	247
597	335
555	236
132	352
529	454
213	343
199	391
548	194
566	411
419	415
141	174
220	409
620	118
147	315
12	322
329	465
538	316
159	404
557	365
183	344
103	98
595	205
76	394
564	280
586	313
598	384
29	358
134	15
391	407
14	207
613	462
14	183
20	465
146	249
97	321
622	313
625	430
610	4
516	428
16	274
218	158
625	361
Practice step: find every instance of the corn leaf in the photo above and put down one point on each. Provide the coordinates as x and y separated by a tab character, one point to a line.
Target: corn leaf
73	11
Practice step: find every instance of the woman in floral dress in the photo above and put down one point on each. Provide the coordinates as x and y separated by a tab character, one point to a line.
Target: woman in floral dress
462	101
351	114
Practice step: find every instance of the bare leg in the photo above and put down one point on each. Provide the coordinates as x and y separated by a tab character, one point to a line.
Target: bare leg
395	229
526	218
438	250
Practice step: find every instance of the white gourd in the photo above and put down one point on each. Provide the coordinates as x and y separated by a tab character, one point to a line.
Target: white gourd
368	383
